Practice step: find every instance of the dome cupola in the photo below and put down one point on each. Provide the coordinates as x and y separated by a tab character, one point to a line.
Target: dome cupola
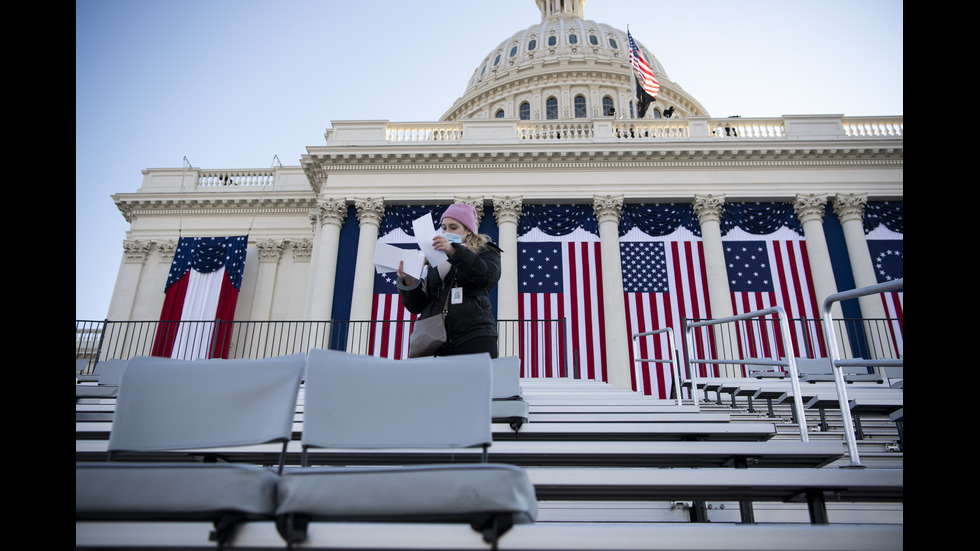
565	67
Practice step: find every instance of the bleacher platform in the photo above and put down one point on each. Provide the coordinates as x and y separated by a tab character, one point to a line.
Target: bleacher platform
610	468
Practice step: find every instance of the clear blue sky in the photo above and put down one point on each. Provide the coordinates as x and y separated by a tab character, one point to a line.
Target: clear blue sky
233	83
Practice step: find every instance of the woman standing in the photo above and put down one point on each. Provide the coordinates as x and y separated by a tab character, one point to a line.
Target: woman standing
464	279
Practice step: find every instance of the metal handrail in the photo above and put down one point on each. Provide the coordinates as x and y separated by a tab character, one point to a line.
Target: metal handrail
837	363
673	356
790	361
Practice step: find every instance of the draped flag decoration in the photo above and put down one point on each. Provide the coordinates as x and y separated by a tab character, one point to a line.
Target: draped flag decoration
202	288
559	278
643	71
389	334
388	337
663	283
767	264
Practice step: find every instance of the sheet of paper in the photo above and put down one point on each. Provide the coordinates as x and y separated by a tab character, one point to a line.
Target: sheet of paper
387	257
424	232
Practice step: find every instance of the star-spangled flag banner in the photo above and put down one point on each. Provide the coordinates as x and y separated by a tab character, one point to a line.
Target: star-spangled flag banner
203	286
773	272
561	280
887	257
643	71
663	283
388	336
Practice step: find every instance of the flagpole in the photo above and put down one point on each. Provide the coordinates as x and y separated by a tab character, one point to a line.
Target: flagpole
629	44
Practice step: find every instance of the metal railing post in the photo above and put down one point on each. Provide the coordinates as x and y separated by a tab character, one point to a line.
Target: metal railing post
837	363
673	357
790	360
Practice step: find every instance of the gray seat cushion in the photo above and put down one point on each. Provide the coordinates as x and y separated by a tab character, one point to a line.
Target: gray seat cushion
165	490
421	492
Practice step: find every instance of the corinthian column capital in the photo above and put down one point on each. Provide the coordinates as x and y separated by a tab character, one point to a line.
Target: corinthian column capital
608	208
709	208
369	210
507	209
810	207
850	206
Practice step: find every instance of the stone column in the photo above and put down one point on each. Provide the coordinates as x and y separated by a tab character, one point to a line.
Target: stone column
608	212
328	219
849	208
124	294
507	212
810	211
270	251
370	211
708	209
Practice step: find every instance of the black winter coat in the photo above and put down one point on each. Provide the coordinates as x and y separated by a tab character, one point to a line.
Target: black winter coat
477	274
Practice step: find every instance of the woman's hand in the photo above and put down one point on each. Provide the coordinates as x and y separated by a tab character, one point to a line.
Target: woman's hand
440	243
407	279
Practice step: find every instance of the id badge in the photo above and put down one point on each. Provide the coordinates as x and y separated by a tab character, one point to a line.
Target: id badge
457	295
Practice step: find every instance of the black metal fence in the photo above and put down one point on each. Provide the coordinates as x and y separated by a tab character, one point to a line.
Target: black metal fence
541	343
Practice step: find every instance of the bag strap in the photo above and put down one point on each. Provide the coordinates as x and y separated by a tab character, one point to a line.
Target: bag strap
445	307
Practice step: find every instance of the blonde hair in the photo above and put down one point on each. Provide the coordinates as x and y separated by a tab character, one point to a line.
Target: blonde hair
475	241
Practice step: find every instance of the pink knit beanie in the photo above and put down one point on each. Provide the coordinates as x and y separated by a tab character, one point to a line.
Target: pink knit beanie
465	214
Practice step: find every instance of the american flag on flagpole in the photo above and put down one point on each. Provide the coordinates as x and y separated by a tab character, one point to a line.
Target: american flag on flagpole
643	71
561	280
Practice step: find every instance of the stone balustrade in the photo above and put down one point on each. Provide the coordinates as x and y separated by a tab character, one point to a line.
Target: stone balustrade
605	130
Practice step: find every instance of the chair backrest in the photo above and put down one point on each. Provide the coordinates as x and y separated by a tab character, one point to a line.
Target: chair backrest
166	404
112	372
813	366
363	402
506	377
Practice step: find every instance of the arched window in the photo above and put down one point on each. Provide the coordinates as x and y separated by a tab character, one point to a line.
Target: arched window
499	114
551	108
496	60
532	45
513	51
594	40
525	111
580	111
607	107
552	40
612	43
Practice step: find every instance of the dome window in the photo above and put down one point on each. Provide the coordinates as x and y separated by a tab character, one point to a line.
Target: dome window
532	45
612	43
525	111
580	111
552	40
594	40
607	107
513	51
573	39
551	108
496	61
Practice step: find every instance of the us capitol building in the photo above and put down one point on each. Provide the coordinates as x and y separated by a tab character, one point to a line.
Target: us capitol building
545	141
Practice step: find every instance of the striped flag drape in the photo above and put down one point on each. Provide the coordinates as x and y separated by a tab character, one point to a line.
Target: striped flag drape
203	286
559	278
663	283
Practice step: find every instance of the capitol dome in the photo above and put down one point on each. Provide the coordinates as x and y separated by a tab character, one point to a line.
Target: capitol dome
565	67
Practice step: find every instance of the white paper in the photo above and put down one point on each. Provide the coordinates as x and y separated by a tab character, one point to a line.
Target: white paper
387	257
424	232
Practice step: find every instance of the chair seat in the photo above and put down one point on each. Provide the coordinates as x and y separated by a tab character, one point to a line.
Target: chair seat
413	492
123	490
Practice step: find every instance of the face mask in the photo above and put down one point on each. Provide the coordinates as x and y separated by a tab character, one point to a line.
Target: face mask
453	237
